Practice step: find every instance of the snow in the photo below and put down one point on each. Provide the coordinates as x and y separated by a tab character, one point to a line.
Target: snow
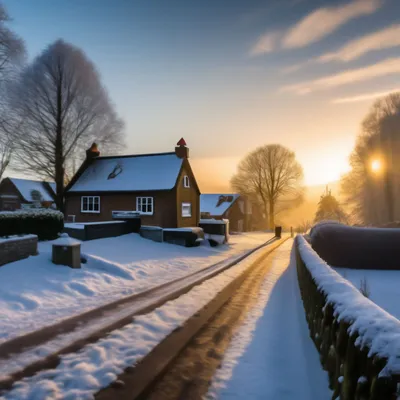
80	375
141	172
377	330
74	225
81	225
66	241
25	187
214	221
208	203
34	292
271	356
383	286
15	238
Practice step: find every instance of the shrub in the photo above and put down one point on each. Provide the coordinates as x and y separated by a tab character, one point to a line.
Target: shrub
46	224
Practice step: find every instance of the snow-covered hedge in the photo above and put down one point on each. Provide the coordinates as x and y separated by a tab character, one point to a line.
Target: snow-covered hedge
46	224
356	247
359	343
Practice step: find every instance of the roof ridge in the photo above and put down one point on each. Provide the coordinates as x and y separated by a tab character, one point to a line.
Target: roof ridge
135	155
30	180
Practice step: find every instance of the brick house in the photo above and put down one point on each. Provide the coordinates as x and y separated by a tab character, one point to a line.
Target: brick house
234	207
15	193
161	187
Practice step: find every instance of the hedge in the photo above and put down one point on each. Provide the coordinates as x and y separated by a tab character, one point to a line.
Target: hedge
46	224
358	342
360	247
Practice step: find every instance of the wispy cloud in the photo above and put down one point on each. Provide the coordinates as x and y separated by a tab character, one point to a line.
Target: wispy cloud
384	39
364	97
324	21
389	66
265	44
314	26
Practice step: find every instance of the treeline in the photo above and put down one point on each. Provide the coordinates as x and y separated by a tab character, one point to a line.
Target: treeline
371	188
51	109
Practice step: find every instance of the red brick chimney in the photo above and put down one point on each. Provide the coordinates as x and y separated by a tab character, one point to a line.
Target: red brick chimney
181	150
92	152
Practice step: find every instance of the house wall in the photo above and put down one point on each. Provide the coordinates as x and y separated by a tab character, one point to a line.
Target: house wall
187	195
164	207
10	198
237	220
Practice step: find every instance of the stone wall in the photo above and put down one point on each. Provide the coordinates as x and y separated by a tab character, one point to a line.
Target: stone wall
17	248
152	232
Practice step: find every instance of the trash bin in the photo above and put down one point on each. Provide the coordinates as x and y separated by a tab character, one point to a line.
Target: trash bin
67	251
278	231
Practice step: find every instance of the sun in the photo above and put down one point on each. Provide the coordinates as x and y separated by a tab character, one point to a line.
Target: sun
376	165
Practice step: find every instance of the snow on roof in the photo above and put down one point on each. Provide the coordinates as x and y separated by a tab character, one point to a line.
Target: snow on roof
25	187
135	173
209	203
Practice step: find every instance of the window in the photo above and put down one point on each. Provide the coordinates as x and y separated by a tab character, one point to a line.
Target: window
186	182
186	209
145	205
90	204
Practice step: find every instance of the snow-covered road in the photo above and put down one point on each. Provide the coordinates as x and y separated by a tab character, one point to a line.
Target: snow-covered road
34	292
271	355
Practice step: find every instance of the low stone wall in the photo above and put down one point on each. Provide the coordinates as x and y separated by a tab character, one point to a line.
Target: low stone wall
154	233
99	230
17	248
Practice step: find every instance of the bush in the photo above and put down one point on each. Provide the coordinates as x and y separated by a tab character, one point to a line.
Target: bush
46	224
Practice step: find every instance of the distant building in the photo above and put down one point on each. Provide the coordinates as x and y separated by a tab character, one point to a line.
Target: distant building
234	207
161	187
16	193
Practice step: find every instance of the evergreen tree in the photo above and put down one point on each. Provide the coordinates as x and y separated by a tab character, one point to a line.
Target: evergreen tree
329	209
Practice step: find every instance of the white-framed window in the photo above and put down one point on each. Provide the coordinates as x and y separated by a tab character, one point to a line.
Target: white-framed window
186	209
90	204
145	205
186	182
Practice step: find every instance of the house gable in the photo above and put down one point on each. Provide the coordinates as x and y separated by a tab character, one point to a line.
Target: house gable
187	197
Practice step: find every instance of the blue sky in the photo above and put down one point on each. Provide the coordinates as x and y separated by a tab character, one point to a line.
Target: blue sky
231	75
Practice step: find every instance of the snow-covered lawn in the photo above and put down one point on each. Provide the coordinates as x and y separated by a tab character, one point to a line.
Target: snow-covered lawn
34	292
383	286
80	375
271	355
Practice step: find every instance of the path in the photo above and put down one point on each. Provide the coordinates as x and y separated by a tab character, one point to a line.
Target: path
271	355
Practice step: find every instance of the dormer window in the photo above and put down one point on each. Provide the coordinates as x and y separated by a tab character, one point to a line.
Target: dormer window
186	182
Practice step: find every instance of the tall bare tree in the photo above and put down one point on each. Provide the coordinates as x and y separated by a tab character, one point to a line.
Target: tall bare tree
271	175
12	52
65	108
369	191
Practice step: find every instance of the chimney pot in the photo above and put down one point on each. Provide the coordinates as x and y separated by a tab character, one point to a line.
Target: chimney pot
92	152
181	150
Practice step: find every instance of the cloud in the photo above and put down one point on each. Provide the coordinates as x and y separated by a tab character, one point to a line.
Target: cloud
387	67
265	44
323	21
314	26
364	97
384	39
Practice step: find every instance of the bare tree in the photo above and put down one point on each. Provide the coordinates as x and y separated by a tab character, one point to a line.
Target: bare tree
5	153
65	108
369	191
271	175
12	52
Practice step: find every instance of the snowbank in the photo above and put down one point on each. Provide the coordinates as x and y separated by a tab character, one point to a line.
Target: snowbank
80	375
335	308
34	292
